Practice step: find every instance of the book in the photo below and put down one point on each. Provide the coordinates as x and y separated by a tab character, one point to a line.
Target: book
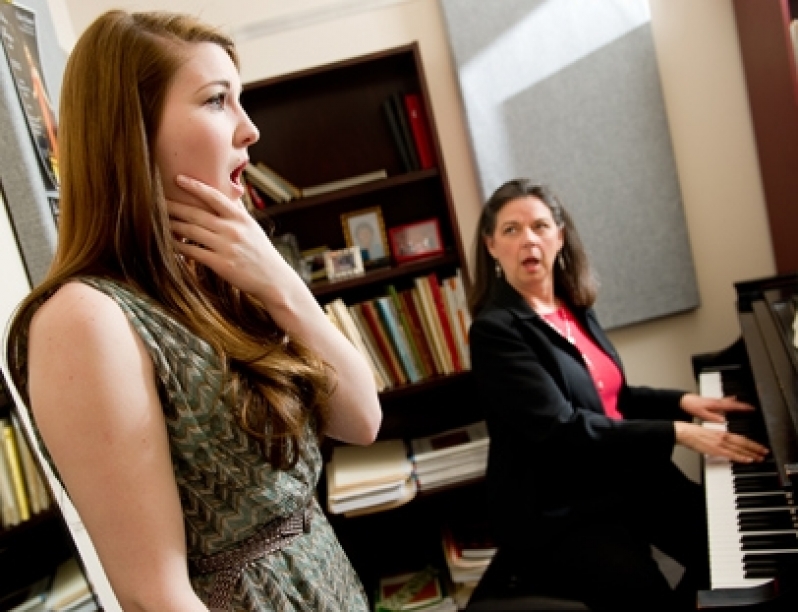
374	323
404	128
419	126
425	328
38	494
422	590
446	324
455	440
344	183
453	311
350	330
412	323
396	332
410	489
430	313
9	513
262	181
396	133
15	469
374	499
371	345
358	467
283	182
69	587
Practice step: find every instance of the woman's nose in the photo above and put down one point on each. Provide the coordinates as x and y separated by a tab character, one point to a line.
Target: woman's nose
248	132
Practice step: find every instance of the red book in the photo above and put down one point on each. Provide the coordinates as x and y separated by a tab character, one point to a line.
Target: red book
446	324
417	331
372	319
421	130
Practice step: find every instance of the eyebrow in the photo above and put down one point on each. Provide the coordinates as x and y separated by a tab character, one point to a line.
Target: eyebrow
223	82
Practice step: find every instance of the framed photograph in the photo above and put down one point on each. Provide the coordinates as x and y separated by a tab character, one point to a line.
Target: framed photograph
314	263
343	263
365	229
416	240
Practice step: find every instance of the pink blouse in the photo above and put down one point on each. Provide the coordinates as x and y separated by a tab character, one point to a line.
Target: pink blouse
603	370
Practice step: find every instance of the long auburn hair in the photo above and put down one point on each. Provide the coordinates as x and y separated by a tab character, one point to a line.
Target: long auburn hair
573	278
114	224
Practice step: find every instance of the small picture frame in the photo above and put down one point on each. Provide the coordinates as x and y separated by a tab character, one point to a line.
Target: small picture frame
315	264
343	263
365	228
416	240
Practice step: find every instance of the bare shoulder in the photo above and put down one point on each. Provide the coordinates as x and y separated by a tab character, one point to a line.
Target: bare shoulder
78	312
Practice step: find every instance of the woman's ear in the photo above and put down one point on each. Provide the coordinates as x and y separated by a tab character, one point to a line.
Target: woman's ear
489	242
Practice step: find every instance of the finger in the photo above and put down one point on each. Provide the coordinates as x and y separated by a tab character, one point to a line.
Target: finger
197	234
712	417
216	202
190	213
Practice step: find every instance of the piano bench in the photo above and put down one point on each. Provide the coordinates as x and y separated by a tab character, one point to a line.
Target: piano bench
499	589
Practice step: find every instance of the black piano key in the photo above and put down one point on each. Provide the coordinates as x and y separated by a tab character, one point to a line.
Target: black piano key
772	541
766	516
756	484
774	500
769	559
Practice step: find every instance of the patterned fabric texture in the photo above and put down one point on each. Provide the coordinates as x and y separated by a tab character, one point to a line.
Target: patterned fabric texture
227	488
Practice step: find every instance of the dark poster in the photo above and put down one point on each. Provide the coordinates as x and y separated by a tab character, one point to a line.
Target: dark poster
18	28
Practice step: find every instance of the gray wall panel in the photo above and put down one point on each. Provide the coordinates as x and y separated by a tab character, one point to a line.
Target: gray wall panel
568	93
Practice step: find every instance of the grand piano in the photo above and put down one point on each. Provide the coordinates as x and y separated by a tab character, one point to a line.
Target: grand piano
752	510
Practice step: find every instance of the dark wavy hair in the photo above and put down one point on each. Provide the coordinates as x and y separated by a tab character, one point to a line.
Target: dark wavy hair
573	278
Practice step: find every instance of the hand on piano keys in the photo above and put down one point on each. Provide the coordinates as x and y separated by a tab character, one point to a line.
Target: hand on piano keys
713	408
718	442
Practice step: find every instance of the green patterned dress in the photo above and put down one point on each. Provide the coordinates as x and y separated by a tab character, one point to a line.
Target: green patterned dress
227	489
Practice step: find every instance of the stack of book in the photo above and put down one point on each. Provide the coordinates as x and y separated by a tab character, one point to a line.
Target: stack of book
421	591
450	457
65	591
468	548
366	479
23	493
412	334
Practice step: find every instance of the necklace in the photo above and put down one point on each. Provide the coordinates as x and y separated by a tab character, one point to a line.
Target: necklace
567	333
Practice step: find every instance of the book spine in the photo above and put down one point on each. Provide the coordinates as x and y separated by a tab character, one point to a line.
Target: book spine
421	131
406	328
418	309
446	325
395	333
404	127
9	512
287	186
265	184
417	332
396	132
434	323
450	301
371	343
36	491
373	320
350	331
15	468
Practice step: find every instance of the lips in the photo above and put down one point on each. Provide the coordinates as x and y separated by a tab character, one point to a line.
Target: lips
235	175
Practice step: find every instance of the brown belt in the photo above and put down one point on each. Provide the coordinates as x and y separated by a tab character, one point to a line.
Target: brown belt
230	563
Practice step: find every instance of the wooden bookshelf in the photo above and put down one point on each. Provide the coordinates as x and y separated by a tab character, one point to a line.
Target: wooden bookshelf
771	78
325	124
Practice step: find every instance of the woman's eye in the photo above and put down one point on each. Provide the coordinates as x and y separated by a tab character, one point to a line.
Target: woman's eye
216	101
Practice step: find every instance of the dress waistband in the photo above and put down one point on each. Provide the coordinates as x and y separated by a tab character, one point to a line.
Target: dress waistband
230	563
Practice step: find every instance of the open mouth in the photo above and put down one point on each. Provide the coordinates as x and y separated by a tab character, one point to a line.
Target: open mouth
235	175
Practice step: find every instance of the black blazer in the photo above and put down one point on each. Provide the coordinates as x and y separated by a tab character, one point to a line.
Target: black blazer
554	455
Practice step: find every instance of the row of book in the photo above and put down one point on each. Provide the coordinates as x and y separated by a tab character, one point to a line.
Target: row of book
389	473
23	493
410	335
67	590
265	187
410	130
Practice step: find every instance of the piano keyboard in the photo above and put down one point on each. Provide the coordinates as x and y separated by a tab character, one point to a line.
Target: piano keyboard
750	518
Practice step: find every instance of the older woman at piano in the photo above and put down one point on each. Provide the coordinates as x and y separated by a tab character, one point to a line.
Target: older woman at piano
580	472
